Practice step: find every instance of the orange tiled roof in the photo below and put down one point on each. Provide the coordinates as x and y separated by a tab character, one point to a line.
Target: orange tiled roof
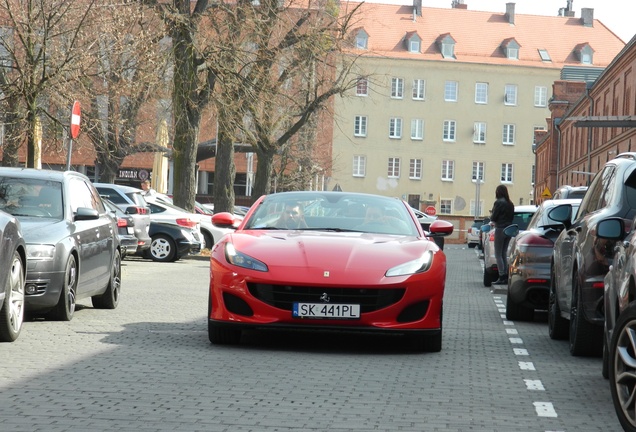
479	35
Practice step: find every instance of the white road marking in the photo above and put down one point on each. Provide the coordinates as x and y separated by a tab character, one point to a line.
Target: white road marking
516	340
545	409
526	366
520	351
534	384
512	331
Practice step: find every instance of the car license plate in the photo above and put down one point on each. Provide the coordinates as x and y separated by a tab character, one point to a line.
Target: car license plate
324	310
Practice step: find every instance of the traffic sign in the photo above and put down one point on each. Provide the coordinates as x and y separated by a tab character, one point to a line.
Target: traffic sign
75	120
546	193
430	210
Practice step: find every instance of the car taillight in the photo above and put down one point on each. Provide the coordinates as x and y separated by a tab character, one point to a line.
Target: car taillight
137	210
492	236
186	222
535	241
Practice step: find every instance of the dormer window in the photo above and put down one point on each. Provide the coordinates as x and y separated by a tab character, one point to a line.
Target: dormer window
362	39
511	48
584	53
413	42
446	45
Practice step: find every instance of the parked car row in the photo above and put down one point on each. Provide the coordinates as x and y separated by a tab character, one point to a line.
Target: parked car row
60	244
577	259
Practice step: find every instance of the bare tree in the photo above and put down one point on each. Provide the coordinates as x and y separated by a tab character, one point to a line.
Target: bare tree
43	46
286	65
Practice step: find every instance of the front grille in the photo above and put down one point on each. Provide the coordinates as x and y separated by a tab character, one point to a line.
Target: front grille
284	296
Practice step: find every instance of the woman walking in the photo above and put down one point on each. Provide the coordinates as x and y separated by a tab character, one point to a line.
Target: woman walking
502	214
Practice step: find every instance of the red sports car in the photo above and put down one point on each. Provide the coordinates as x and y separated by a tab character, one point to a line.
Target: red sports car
328	261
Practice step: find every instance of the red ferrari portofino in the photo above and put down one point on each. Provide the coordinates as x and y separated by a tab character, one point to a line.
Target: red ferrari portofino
328	261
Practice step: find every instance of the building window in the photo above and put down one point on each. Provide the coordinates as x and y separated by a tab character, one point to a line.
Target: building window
394	168
395	128
479	133
545	56
359	166
448	170
362	87
419	87
362	40
540	96
449	130
445	206
478	171
360	126
481	93
510	96
446	45
397	88
415	169
414	45
508	134
450	91
513	53
506	173
417	129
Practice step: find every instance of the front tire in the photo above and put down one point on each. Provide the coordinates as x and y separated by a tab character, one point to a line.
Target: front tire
12	312
110	298
221	335
516	312
622	358
487	278
65	307
208	240
163	248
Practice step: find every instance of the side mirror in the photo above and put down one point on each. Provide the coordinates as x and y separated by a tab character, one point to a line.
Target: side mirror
223	220
485	228
611	229
511	230
562	213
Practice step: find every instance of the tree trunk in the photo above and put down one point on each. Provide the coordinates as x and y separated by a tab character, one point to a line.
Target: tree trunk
224	172
263	174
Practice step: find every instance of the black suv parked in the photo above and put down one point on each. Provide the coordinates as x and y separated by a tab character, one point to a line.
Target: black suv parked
581	259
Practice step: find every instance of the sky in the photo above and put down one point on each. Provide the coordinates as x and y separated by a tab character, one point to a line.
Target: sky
617	15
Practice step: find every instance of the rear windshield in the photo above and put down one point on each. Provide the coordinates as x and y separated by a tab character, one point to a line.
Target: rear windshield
522	219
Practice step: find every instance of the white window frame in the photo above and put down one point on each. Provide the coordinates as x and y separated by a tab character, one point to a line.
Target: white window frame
510	95
414	46
395	128
393	167
481	93
448	170
362	86
449	133
478	170
446	206
513	53
540	96
362	40
419	89
479	133
450	91
359	166
509	134
506	173
415	169
397	88
360	125
448	50
417	129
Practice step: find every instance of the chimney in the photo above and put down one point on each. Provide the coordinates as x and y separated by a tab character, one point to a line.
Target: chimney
587	17
458	4
417	7
510	12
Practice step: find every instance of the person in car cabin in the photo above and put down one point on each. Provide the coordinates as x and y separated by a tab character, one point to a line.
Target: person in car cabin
502	214
291	217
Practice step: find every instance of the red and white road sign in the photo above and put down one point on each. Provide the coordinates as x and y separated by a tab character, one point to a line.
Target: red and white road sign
75	120
430	210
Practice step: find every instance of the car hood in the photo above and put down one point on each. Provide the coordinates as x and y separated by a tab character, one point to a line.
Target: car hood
350	256
43	231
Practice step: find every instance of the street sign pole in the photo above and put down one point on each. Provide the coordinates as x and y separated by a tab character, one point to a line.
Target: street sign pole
75	129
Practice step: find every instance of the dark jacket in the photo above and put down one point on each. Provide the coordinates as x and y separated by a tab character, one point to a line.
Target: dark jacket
502	213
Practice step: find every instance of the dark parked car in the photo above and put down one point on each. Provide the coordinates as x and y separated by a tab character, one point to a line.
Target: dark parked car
72	244
12	276
529	256
171	241
619	343
581	259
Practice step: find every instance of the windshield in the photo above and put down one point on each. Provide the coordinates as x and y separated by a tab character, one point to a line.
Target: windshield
31	197
333	212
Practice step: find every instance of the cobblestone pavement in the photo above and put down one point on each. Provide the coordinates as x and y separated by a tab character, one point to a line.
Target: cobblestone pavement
148	366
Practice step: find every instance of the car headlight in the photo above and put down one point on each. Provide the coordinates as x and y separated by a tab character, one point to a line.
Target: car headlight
40	252
419	265
240	259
